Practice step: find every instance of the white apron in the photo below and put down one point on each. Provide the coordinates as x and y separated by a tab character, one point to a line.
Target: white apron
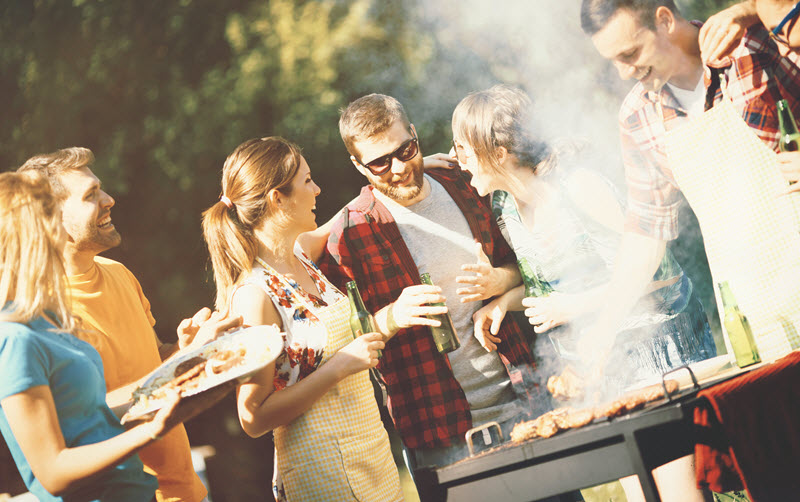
731	179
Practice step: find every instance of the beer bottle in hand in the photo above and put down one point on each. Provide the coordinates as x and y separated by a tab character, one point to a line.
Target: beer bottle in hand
789	142
360	318
535	285
444	335
738	329
790	136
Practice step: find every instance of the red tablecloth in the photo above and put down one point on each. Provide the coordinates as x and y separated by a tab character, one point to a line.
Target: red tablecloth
749	433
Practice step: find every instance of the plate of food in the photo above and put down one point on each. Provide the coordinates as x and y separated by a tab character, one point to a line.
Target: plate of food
232	356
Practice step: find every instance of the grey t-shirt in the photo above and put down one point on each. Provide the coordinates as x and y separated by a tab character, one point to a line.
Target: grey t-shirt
440	241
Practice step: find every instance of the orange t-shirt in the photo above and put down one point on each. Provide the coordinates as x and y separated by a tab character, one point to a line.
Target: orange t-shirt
109	299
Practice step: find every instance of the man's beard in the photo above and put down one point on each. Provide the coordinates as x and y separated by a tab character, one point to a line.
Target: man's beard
403	193
99	242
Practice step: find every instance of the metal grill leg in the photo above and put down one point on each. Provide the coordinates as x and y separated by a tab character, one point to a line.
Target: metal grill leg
645	475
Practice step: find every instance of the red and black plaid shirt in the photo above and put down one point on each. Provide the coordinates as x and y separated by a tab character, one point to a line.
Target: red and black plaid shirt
427	404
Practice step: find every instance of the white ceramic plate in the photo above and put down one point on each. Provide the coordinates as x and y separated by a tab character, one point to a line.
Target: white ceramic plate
262	344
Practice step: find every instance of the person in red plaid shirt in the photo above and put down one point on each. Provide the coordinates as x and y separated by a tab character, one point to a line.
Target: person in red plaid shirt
648	40
408	221
781	17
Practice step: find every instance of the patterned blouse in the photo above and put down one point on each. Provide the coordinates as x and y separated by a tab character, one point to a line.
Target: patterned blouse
304	335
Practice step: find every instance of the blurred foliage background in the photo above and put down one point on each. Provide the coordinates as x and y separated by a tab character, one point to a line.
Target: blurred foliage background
163	91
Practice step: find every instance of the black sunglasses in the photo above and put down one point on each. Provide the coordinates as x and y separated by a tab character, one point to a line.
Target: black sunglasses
405	152
789	21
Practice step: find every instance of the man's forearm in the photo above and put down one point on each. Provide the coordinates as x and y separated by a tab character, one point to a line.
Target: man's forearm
638	259
508	277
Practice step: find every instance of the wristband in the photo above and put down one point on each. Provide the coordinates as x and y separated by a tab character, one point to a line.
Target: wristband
390	322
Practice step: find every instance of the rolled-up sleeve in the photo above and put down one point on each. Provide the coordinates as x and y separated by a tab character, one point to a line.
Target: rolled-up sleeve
653	199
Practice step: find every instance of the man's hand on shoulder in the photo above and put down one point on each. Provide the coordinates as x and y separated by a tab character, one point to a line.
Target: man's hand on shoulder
723	31
440	160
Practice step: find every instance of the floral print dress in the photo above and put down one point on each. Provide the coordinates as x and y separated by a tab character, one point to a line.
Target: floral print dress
338	449
304	338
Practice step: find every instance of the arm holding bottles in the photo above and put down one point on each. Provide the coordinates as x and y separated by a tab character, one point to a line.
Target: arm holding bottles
594	196
547	312
260	408
544	312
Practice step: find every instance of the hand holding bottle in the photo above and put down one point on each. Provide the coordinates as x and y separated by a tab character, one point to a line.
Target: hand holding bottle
359	355
789	164
444	333
547	312
412	306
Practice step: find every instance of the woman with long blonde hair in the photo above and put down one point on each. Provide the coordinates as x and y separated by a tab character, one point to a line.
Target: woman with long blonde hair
66	442
317	398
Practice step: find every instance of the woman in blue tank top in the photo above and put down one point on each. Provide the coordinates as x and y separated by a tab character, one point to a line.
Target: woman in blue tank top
66	442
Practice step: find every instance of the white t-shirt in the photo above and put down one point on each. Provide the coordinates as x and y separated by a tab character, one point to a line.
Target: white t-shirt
692	101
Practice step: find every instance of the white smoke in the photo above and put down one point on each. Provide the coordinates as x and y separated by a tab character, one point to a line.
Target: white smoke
539	46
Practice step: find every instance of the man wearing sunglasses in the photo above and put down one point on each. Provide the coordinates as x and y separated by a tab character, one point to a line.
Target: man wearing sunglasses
408	221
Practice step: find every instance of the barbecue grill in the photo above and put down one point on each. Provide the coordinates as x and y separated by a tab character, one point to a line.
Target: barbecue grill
603	451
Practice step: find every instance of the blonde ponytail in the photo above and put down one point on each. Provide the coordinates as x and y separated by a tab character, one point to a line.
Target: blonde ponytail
232	248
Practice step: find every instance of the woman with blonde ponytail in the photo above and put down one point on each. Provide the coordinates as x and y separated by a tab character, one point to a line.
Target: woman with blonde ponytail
317	397
67	444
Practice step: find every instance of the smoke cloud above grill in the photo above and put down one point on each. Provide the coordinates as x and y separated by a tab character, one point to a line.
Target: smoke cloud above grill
539	46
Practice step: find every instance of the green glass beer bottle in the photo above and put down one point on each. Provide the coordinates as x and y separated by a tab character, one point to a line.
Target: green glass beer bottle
360	318
790	136
789	142
535	285
444	335
738	329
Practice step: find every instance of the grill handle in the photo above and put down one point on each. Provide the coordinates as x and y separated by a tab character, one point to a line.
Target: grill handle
684	367
471	432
